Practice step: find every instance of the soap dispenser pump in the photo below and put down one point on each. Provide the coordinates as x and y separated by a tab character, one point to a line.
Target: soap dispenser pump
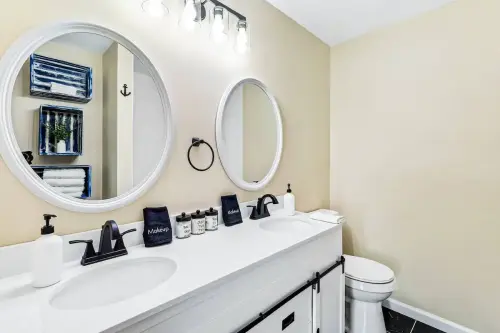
47	258
289	202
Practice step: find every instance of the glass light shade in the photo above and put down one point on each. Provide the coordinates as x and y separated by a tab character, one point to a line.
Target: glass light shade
241	45
189	15
218	33
155	8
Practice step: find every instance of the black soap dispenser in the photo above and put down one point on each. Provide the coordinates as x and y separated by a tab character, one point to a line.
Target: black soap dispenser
47	256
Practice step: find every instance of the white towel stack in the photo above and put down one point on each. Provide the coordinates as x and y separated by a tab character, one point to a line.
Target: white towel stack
63	89
329	216
70	182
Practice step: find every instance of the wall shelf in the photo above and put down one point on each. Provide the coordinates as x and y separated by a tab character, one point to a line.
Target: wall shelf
87	192
72	118
62	80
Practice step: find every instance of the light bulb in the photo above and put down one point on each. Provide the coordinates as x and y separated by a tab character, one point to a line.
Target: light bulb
188	19
154	8
218	34
242	38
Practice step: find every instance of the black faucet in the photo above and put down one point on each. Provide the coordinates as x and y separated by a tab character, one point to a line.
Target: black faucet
260	211
109	233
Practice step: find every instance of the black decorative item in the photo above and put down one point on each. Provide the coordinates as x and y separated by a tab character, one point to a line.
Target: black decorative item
124	91
157	227
231	213
196	142
28	156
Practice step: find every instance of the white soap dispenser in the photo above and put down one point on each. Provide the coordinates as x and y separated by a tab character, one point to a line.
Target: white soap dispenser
289	202
47	258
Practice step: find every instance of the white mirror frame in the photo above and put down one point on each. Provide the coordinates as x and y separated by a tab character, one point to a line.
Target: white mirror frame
241	183
10	66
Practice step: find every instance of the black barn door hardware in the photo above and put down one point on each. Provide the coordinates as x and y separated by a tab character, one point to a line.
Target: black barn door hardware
314	282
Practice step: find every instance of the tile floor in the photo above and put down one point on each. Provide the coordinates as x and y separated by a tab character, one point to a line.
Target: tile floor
398	323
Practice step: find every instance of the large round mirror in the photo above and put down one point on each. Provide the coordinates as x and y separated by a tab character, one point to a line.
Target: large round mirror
249	134
87	118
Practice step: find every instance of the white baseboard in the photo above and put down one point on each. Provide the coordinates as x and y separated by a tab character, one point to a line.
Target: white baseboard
426	317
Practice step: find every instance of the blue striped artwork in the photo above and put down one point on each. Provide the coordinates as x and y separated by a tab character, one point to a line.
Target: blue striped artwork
62	80
72	118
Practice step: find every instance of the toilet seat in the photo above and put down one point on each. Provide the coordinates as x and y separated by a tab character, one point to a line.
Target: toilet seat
368	275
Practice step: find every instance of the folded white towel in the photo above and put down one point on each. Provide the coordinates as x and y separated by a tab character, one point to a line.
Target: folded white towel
66	190
329	216
63	173
75	194
65	182
63	89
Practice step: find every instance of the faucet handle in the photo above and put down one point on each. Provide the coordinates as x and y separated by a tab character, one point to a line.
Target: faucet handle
254	214
89	249
120	245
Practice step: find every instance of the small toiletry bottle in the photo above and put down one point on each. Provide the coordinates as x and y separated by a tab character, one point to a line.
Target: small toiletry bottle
289	202
198	223
212	218
47	256
183	226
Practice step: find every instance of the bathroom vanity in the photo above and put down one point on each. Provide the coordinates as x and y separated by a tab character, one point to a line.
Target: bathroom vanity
250	269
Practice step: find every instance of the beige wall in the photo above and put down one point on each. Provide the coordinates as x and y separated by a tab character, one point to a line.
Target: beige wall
293	63
110	122
415	121
118	119
25	112
259	133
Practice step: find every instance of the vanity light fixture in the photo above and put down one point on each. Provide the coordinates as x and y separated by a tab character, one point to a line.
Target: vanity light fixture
195	11
242	37
218	34
155	8
189	19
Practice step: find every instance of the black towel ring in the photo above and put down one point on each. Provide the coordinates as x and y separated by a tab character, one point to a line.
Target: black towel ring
196	142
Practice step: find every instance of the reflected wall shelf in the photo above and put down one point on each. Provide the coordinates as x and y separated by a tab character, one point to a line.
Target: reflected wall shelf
71	119
87	192
62	80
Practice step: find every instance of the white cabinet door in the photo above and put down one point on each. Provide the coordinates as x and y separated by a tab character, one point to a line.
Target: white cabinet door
293	317
331	301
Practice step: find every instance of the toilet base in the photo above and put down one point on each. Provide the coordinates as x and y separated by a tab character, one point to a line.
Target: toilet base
365	317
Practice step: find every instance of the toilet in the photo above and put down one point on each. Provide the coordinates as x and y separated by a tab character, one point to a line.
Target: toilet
368	283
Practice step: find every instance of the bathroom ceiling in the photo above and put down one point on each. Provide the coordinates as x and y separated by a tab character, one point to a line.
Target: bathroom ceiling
335	21
92	42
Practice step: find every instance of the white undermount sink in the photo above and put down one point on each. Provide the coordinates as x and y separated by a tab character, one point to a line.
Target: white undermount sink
113	283
284	224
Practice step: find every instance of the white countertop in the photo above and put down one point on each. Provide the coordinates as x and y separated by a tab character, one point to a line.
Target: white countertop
26	309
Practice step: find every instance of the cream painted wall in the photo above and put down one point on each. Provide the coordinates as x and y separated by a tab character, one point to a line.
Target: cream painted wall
25	112
415	121
292	62
110	122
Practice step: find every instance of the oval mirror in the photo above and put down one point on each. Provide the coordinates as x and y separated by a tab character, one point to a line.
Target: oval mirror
86	120
249	134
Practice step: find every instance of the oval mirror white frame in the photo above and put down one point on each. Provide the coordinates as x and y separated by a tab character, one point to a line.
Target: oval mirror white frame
10	66
238	181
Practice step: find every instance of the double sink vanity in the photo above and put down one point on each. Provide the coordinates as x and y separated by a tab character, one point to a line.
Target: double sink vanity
219	282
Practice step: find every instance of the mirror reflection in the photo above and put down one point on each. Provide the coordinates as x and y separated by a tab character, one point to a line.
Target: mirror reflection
88	117
249	133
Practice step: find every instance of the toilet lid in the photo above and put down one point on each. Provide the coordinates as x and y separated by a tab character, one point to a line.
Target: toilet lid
366	270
